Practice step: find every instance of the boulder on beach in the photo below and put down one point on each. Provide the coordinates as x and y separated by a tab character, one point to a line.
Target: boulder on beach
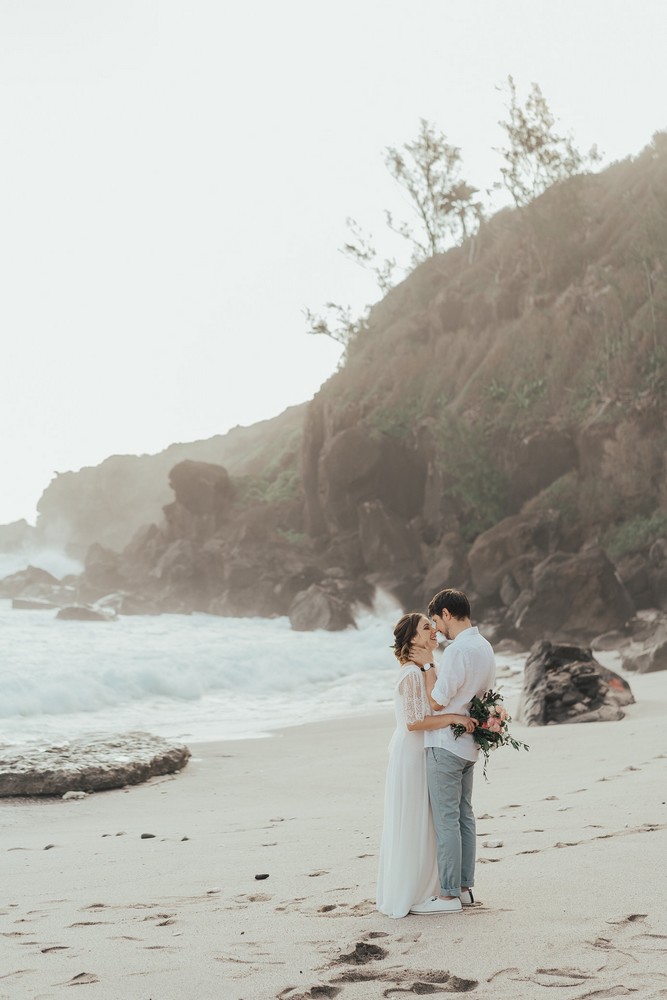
565	683
87	765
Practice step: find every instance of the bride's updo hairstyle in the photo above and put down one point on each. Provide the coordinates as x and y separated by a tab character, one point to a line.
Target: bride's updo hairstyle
405	630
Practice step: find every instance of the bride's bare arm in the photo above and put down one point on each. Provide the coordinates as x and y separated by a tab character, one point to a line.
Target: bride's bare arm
430	677
441	721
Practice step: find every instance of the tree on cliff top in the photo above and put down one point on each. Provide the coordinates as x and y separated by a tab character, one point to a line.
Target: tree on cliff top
443	204
536	155
445	213
444	208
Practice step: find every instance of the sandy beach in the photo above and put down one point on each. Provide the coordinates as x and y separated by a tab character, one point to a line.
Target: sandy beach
575	898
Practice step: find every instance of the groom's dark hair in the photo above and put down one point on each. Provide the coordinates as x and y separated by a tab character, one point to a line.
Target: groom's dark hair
454	601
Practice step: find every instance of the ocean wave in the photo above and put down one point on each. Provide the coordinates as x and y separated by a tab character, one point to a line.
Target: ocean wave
194	676
56	667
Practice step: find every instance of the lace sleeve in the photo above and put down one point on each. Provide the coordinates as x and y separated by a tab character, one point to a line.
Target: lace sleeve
412	692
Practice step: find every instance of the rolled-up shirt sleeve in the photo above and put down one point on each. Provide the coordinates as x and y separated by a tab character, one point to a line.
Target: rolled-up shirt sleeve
450	676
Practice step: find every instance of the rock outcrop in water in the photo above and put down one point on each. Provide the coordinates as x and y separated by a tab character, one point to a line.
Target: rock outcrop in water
87	765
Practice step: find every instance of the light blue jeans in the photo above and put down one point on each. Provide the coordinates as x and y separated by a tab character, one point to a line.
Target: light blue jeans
450	791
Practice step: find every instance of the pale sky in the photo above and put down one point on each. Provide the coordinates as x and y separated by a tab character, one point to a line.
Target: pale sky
175	177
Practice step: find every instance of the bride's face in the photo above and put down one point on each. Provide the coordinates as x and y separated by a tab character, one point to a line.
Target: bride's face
426	636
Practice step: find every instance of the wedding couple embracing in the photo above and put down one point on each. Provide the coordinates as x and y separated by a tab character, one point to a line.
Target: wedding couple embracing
427	855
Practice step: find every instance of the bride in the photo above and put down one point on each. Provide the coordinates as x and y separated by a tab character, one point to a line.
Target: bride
408	870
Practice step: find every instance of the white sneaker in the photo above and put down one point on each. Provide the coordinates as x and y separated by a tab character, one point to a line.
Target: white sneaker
437	905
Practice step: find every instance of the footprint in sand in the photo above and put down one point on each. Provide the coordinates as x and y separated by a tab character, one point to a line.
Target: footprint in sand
625	945
255	897
89	923
361	909
338	909
399	981
314	993
558	978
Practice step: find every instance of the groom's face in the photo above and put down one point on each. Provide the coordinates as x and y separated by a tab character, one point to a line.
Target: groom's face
442	623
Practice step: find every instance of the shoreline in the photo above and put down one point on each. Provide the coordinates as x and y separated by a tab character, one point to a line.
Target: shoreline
574	897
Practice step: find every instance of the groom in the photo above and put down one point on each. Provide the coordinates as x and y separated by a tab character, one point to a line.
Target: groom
468	668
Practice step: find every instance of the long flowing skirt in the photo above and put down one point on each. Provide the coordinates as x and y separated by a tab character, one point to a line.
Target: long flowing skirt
408	869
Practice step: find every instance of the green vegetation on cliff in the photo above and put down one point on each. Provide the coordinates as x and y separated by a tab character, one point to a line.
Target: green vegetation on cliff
554	317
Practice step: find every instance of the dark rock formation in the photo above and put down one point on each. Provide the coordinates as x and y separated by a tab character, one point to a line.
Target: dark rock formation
390	550
564	683
576	595
102	571
33	588
17	536
633	572
316	608
646	650
85	613
29	582
87	765
657	560
539	459
32	604
507	553
201	488
447	567
355	467
110	502
644	575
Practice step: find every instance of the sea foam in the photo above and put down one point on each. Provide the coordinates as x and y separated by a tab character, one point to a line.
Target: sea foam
190	676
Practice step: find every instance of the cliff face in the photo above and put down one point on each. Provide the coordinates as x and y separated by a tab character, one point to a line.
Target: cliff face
109	502
522	375
499	425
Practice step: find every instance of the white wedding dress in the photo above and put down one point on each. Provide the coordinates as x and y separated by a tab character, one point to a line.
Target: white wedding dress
408	869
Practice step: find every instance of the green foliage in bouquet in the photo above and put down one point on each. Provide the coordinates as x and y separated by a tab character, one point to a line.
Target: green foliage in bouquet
492	728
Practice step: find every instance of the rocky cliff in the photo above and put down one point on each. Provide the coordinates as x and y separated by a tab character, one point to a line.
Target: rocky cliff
107	503
498	425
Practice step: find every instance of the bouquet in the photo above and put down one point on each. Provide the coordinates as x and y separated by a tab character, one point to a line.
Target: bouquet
492	725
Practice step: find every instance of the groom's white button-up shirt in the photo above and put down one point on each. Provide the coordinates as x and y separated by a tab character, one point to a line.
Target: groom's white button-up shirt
467	668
